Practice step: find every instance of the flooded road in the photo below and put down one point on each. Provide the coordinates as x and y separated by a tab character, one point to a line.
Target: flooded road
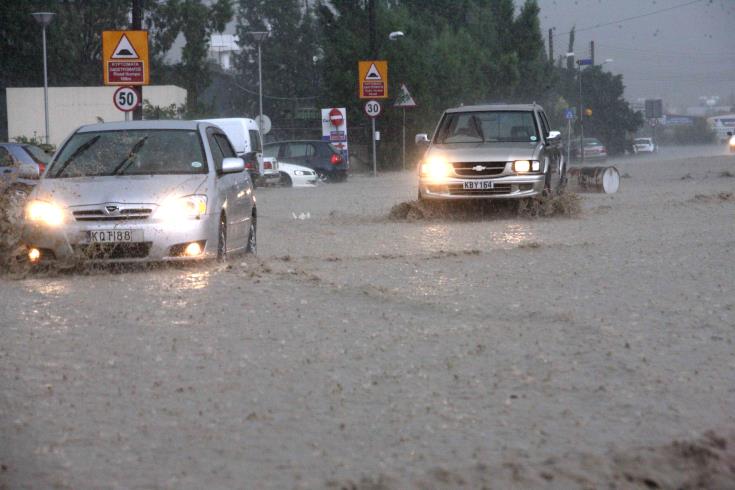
356	346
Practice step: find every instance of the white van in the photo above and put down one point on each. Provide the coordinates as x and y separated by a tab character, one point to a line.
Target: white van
245	138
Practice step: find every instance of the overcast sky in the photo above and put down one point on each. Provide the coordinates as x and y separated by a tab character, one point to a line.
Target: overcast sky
678	55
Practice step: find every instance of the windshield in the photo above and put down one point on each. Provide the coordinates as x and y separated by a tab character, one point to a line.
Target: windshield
38	155
134	152
489	126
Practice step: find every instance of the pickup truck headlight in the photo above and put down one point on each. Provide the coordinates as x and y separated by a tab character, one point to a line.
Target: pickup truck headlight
44	212
182	208
436	168
732	140
525	166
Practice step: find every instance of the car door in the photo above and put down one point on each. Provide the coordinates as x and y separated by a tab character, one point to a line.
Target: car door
227	191
243	186
553	152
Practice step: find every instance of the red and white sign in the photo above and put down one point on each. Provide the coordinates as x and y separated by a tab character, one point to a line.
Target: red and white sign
125	99
336	117
373	108
334	127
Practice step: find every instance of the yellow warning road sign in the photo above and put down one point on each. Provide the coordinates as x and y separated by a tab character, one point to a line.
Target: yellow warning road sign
373	78
125	57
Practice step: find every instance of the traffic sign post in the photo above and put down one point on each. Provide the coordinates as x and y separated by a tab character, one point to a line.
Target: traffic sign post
373	110
404	100
373	79
126	100
125	57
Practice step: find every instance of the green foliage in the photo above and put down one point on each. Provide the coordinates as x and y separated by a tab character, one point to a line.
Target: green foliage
171	111
290	58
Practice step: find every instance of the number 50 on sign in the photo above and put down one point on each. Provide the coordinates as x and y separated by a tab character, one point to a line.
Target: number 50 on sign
125	99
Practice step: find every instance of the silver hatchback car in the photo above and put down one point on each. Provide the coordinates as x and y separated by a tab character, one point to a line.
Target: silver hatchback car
142	191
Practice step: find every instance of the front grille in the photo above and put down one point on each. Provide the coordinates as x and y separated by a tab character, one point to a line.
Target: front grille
121	215
137	250
466	169
457	190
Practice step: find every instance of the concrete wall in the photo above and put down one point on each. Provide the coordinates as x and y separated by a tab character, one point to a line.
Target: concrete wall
71	107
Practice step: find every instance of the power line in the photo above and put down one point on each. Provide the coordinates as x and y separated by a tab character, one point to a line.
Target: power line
619	21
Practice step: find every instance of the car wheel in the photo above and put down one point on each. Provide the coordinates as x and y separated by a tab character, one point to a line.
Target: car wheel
321	176
286	180
252	246
222	239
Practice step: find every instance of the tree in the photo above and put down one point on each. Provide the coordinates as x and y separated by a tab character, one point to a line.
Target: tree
289	57
196	20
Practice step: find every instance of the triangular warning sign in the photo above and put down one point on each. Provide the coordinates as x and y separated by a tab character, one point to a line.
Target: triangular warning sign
124	50
373	73
404	98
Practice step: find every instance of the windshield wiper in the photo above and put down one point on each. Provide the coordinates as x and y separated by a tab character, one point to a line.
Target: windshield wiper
82	148
125	163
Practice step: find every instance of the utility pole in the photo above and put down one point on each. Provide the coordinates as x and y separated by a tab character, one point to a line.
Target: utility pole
592	52
551	45
137	25
371	27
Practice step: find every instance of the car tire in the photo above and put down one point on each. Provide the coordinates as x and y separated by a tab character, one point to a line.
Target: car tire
252	246
222	239
286	180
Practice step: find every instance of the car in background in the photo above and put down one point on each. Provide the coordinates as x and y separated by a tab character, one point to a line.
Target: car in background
297	176
329	163
644	145
593	149
142	191
21	165
491	152
245	137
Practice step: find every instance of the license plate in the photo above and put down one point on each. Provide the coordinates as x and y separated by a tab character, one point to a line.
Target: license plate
478	185
115	236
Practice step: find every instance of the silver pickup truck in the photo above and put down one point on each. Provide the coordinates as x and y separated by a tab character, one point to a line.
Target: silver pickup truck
491	151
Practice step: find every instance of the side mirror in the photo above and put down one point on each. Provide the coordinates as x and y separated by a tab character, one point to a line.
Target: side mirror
29	171
232	165
553	136
729	133
422	139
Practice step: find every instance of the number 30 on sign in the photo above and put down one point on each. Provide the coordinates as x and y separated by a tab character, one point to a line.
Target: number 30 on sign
373	108
125	99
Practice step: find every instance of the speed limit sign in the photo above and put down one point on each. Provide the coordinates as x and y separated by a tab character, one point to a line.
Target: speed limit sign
373	108
125	99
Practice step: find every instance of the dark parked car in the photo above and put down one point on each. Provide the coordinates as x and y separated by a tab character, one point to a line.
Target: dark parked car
21	165
321	156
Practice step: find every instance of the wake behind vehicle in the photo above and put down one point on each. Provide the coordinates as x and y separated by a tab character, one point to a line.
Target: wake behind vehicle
491	152
142	191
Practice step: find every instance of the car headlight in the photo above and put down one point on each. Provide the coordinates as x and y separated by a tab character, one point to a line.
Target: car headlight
436	168
525	166
44	212
298	172
732	140
182	208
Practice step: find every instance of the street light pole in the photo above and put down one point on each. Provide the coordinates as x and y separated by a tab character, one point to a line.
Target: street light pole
259	37
44	18
581	115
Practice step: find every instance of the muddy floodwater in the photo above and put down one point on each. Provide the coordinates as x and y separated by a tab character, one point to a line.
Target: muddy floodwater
357	348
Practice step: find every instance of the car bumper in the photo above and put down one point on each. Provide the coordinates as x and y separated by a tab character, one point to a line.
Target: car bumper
70	241
509	187
271	177
303	180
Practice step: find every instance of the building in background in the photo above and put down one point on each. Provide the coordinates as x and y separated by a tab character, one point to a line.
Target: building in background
222	49
71	107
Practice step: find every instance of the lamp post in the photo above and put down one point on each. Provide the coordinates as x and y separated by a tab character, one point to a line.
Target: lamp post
44	18
259	37
395	36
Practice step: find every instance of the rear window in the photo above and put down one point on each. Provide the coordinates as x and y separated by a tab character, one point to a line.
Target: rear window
130	152
592	142
271	151
255	141
38	155
642	141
